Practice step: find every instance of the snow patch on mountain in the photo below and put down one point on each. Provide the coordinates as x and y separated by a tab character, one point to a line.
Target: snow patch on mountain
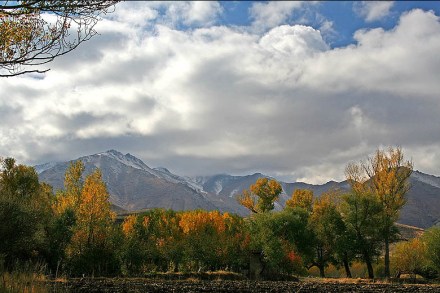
43	167
234	192
218	187
167	175
128	160
425	178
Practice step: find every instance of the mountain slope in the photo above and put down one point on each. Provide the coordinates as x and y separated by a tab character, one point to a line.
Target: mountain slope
135	186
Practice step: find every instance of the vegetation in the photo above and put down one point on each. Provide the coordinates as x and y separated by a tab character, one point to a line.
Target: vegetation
261	196
74	232
28	38
383	181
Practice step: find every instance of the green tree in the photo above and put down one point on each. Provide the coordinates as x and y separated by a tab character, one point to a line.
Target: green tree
432	240
277	236
327	227
385	176
24	213
153	241
28	38
361	214
261	196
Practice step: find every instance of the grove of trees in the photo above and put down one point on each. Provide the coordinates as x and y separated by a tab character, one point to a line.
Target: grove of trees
75	233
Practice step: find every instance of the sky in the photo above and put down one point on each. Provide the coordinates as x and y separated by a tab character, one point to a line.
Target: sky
294	90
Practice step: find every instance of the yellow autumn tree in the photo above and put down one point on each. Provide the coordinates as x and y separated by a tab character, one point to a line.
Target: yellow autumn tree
91	240
261	196
302	198
94	214
70	197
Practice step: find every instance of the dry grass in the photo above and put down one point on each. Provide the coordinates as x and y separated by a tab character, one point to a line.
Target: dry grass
22	282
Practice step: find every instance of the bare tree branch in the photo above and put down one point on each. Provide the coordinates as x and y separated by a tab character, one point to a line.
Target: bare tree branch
36	32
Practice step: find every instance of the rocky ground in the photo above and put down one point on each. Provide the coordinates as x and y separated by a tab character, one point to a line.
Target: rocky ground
148	285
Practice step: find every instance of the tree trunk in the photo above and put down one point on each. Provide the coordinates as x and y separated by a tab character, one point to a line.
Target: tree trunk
387	257
321	271
346	266
369	265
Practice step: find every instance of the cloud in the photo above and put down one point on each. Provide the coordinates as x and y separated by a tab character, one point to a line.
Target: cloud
373	10
170	13
220	99
270	14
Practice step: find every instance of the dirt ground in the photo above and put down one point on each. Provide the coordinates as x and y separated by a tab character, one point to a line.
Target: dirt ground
192	285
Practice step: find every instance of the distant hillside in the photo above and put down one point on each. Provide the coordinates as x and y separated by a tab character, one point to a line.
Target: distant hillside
135	186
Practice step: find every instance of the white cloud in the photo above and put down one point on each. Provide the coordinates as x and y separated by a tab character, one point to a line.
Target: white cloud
294	41
171	13
270	14
373	10
219	99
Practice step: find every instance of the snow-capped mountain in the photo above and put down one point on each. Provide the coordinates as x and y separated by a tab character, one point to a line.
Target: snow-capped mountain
133	185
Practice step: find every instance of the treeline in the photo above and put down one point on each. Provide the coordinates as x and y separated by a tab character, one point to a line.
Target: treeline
75	233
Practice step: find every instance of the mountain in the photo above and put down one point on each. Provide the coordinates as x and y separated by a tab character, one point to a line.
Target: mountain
135	186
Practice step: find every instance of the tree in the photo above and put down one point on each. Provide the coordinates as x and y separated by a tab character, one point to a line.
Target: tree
280	239
152	240
327	226
36	32
385	176
24	213
70	197
302	198
410	257
360	213
261	196
160	240
66	208
204	235
91	248
432	239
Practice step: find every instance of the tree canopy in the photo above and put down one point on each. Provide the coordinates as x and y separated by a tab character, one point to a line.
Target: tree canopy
261	196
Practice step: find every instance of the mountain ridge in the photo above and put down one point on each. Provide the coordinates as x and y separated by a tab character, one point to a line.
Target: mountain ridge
133	185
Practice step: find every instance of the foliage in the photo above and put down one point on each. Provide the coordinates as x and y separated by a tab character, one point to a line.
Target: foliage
91	249
160	240
261	196
24	213
282	238
410	257
153	240
302	198
328	229
75	232
432	239
36	32
361	213
385	177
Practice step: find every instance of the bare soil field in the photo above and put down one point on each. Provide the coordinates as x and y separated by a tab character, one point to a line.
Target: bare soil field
194	285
